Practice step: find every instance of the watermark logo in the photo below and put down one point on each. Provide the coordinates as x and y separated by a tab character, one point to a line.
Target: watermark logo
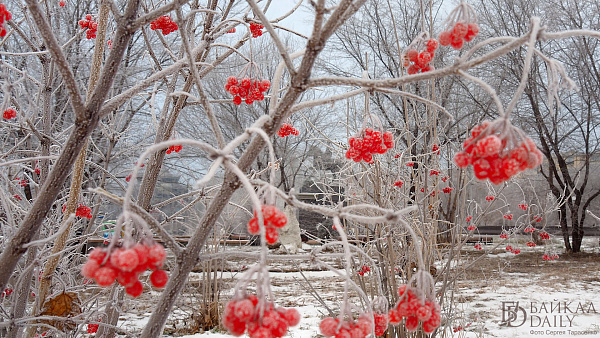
547	316
513	315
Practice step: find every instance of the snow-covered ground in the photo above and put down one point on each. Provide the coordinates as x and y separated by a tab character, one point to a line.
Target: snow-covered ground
537	298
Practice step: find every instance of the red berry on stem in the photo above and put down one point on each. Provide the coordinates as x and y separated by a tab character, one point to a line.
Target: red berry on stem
159	278
136	289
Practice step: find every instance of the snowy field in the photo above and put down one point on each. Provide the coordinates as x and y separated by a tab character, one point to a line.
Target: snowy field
537	298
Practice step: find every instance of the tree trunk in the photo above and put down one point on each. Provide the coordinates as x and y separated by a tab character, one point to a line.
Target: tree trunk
577	227
565	227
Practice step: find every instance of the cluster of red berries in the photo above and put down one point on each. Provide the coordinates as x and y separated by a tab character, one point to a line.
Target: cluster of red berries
469	218
91	26
523	206
9	113
92	328
61	3
411	307
547	257
231	30
512	250
372	142
364	269
398	184
544	235
435	147
508	216
244	314
491	160
256	29
4	16
445	178
6	292
530	244
434	172
247	89
416	62
17	197
175	148
478	247
447	190
165	24
82	211
490	198
460	328
286	130
504	236
529	229
125	265
350	328
471	227
537	218
273	218
459	34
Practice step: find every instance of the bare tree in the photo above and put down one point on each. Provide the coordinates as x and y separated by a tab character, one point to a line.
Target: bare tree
567	129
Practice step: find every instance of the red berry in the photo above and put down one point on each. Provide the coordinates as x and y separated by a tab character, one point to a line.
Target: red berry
271	235
105	276
159	278
328	326
127	260
127	278
457	44
432	45
444	38
412	322
135	290
292	316
253	226
460	30
156	255
98	255
88	270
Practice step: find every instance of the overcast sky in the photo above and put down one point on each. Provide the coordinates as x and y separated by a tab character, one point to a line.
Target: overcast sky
299	21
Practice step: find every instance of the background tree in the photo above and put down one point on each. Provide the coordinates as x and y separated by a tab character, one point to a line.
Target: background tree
565	124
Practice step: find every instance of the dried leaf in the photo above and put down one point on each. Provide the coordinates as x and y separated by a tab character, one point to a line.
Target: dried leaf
66	304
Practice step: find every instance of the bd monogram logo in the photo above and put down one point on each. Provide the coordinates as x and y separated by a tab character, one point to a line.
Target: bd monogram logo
510	314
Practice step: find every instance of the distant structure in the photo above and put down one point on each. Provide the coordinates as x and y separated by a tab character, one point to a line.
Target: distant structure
315	192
